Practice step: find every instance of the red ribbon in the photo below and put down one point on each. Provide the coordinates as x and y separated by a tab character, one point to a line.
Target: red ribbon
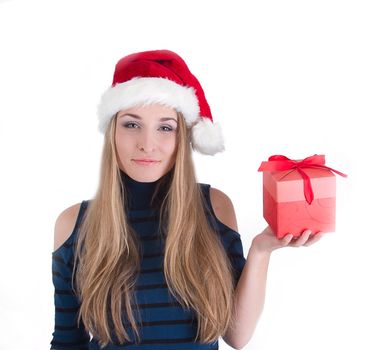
279	163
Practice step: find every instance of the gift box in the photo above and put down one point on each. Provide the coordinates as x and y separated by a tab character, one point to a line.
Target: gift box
299	195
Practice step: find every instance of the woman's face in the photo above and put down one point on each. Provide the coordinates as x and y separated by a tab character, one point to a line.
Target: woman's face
146	141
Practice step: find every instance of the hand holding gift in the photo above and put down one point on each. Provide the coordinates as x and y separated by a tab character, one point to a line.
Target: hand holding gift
267	242
298	204
299	195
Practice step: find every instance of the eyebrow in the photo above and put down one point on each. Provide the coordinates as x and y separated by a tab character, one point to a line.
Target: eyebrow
138	117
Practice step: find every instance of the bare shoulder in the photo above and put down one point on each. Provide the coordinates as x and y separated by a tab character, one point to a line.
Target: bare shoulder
223	208
65	223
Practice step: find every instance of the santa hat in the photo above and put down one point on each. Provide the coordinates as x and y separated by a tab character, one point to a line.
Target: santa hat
161	76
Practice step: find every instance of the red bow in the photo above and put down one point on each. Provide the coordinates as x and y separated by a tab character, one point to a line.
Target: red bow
279	162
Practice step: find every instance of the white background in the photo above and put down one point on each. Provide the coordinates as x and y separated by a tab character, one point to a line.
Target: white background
281	77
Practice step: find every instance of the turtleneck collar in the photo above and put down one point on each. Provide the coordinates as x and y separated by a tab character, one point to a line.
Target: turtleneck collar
139	194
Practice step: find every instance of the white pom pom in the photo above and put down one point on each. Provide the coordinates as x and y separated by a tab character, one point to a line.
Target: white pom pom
207	137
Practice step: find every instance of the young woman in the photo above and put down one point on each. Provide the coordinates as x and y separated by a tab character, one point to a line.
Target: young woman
154	260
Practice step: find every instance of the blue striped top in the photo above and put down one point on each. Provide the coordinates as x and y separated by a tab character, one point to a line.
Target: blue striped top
165	324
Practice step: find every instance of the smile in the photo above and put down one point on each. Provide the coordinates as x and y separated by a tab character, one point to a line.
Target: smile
145	162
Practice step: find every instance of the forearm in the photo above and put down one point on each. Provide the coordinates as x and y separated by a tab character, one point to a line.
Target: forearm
249	298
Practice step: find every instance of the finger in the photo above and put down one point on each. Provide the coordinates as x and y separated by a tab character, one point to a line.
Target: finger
302	239
313	239
287	239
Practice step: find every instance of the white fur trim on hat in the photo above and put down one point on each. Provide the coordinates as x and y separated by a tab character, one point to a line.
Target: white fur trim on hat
207	137
141	91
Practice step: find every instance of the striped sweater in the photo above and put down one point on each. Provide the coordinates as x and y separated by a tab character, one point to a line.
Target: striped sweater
165	324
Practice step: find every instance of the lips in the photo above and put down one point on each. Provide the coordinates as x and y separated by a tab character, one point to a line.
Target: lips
145	162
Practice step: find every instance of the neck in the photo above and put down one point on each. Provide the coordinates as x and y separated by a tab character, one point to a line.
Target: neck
141	195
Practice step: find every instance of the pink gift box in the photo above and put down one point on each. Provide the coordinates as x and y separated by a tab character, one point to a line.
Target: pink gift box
292	206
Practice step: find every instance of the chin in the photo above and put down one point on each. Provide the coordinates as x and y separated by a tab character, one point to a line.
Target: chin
150	179
146	177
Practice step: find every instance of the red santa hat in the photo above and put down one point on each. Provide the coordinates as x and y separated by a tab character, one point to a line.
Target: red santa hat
161	76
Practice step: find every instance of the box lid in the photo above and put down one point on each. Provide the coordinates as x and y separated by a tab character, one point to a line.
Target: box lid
288	185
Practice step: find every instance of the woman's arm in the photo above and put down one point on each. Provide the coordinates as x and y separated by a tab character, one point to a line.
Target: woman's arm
249	299
251	287
67	334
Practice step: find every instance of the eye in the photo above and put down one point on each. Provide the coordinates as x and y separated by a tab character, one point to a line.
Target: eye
131	125
167	127
127	125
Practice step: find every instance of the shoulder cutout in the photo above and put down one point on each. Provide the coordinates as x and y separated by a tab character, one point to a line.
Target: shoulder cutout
65	223
223	208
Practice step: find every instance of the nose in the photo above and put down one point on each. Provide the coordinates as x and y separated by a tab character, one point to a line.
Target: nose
146	142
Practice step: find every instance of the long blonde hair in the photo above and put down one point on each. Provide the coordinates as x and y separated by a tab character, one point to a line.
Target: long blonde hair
197	269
